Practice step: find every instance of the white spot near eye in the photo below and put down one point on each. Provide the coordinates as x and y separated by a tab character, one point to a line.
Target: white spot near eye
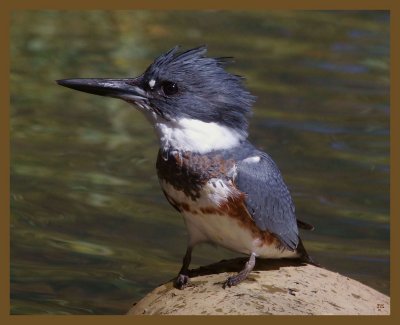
152	82
254	160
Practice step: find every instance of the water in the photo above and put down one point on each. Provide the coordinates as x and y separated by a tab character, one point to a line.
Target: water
91	231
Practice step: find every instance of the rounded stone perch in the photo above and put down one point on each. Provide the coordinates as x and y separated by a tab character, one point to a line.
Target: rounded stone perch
276	287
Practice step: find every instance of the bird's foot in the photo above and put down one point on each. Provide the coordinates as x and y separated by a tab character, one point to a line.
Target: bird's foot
234	280
242	275
182	281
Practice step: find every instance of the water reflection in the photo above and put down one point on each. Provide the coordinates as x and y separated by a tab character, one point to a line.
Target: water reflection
91	231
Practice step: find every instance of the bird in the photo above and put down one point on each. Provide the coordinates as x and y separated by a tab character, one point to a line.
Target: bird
230	193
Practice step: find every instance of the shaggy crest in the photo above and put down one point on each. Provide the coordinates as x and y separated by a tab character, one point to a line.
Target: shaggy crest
206	90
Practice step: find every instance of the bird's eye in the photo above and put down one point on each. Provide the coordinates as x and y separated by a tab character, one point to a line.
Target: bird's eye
169	88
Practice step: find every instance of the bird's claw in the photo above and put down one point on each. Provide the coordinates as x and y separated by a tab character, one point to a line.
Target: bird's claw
231	281
181	281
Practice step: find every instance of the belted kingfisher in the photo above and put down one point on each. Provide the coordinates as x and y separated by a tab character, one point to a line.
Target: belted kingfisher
229	193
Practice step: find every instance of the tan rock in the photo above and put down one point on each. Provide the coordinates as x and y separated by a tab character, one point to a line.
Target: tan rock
280	287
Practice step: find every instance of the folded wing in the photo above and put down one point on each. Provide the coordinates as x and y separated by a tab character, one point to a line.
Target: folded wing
268	200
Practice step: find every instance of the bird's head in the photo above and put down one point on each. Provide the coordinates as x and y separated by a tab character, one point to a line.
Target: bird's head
192	101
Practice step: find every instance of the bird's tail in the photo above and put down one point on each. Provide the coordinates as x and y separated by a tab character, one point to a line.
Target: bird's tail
304	225
304	257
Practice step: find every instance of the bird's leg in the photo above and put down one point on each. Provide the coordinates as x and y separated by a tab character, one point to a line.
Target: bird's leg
236	279
183	277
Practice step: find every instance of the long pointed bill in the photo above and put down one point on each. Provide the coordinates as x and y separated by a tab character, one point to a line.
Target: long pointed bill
128	89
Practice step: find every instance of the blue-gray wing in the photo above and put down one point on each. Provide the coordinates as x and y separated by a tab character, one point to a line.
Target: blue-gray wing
268	200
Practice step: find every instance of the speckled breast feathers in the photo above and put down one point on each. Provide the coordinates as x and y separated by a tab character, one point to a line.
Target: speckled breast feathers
203	189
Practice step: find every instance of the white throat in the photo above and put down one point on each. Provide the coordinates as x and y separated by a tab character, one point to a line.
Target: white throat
196	136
